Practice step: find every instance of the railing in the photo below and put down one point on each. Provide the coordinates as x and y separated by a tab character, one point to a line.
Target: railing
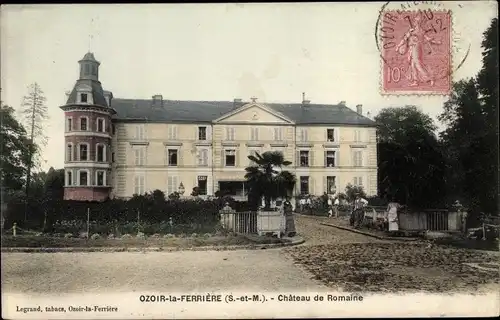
239	222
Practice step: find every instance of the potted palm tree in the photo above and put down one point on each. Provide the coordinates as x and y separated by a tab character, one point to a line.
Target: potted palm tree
267	180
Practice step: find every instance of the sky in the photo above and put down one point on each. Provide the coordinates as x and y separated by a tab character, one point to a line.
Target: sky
213	52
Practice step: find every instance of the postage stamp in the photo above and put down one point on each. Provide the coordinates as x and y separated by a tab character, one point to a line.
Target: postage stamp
416	52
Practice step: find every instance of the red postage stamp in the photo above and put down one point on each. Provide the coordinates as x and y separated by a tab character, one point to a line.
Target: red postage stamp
416	52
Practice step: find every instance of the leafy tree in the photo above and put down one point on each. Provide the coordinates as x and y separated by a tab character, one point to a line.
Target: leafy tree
267	178
14	150
471	137
53	197
411	163
34	113
352	192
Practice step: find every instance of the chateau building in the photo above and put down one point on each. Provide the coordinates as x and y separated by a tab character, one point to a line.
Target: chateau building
121	147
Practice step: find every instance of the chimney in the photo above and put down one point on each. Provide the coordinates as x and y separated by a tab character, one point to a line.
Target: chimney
359	109
342	103
157	100
304	101
237	103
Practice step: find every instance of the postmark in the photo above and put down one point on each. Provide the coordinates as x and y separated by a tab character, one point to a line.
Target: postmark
419	48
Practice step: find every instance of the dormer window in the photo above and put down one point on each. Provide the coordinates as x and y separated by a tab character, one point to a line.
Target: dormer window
84	97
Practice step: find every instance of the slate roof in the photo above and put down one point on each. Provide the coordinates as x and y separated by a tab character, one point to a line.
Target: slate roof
208	111
97	92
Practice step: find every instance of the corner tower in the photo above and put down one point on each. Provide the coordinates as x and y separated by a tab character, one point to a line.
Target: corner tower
87	135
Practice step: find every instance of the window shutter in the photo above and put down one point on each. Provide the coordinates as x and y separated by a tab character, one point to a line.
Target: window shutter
306	135
312	189
205	157
337	158
311	158
180	157
209	132
297	160
360	181
236	158
136	185
325	158
336	134
325	185
300	135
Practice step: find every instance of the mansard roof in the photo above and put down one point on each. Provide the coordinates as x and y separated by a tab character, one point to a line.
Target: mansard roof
97	92
207	111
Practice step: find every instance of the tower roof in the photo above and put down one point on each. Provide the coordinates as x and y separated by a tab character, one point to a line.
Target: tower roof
89	56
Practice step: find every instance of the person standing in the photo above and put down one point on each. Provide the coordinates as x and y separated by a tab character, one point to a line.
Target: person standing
289	222
358	213
336	204
392	216
330	207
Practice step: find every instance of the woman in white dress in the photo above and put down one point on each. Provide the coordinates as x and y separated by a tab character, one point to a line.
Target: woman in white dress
392	216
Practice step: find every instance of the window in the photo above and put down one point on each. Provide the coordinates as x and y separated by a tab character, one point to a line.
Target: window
140	155
69	122
330	159
69	178
112	157
202	185
139	184
101	178
203	157
230	134
330	185
139	132
69	152
101	153
254	134
113	128
230	158
304	185
83	152
278	134
357	136
202	133
172	133
94	70
358	158
87	69
172	157
83	97
83	123
100	125
358	181
303	135
330	135
84	178
304	158
172	184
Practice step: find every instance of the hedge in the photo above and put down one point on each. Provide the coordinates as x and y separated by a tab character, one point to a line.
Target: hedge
150	209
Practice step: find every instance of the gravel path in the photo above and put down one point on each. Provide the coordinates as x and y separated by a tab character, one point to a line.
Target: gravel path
201	271
314	233
354	262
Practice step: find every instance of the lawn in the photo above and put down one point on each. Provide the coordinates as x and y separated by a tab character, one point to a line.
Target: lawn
31	241
396	267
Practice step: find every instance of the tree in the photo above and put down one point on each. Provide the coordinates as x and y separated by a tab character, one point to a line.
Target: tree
471	136
34	113
14	150
411	165
53	195
352	192
266	178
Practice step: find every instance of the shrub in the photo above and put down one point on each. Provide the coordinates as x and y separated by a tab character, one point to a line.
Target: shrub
83	235
68	235
111	236
95	236
156	235
207	235
194	235
126	236
168	235
140	235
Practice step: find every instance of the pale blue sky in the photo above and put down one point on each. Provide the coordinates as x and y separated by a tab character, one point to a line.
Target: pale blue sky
211	52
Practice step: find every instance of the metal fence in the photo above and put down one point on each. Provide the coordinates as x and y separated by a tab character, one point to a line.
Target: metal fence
239	222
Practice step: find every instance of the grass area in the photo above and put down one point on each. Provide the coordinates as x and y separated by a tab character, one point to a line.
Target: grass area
188	242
